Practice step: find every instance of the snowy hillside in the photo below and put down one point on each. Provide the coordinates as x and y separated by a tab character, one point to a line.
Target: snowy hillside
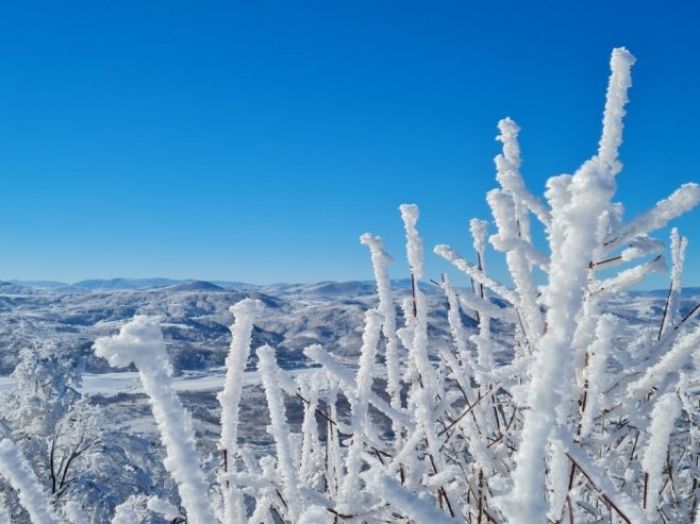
195	315
196	318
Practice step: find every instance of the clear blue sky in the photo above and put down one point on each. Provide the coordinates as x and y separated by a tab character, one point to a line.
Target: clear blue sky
257	140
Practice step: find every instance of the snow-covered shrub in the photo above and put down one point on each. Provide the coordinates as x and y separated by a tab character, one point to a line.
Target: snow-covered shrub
58	439
580	417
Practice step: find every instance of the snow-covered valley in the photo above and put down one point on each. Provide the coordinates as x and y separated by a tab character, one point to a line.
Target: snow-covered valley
196	319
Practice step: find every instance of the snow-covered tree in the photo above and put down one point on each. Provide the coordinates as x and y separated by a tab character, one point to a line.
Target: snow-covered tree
82	469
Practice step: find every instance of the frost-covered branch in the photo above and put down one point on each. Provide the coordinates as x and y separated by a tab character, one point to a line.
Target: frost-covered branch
280	430
230	398
141	342
380	263
679	202
621	63
508	165
575	241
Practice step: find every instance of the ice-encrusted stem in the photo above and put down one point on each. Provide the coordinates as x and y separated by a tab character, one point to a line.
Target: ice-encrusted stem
671	362
574	238
334	468
311	445
380	263
350	493
230	398
267	364
140	342
629	277
483	341
489	309
663	418
405	335
509	241
414	253
618	500
457	329
678	247
508	175
475	273
406	502
677	203
15	468
335	369
595	371
621	62
567	282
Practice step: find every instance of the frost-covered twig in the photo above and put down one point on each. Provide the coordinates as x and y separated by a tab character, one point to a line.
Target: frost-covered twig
621	62
360	404
414	253
629	277
316	353
279	426
516	249
141	342
595	371
230	399
680	201
678	247
666	410
380	262
16	469
406	502
236	361
508	164
462	264
671	362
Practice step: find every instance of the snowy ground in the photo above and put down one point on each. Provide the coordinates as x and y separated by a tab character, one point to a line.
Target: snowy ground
127	382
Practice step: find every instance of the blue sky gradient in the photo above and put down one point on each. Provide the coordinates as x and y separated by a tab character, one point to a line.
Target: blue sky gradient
256	141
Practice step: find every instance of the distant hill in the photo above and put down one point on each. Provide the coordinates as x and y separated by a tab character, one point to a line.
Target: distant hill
196	316
197	285
326	289
687	292
41	284
126	283
232	284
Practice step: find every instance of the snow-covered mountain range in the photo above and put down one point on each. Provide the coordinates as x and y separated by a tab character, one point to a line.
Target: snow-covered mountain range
196	317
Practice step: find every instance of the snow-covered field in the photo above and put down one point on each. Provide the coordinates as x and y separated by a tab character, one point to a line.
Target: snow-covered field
113	383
